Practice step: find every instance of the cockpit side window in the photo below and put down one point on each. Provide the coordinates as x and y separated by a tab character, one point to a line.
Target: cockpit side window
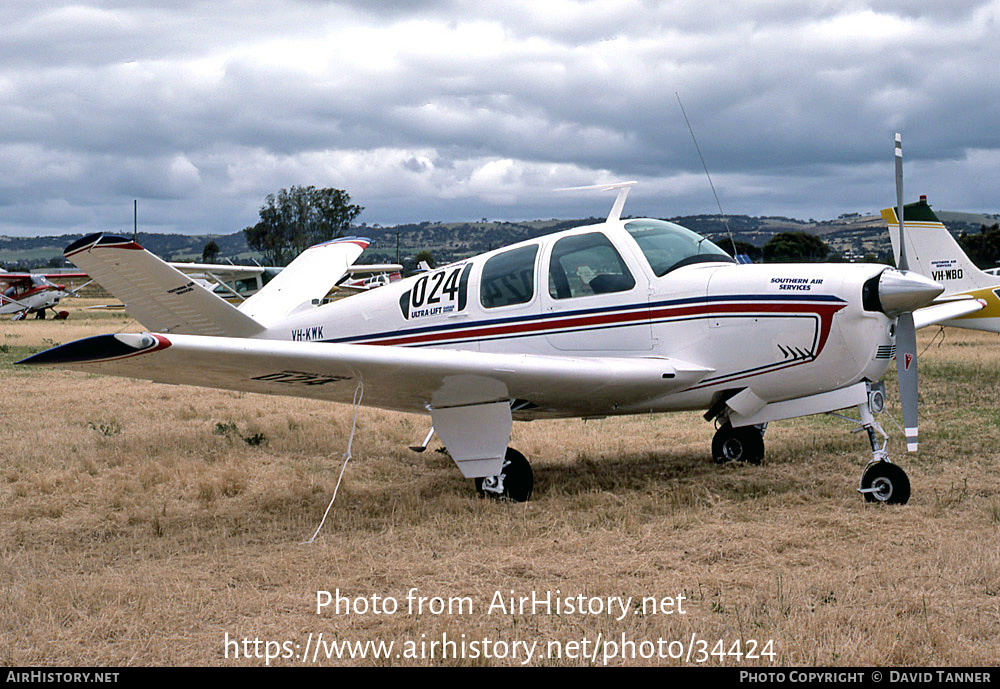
509	278
668	246
586	264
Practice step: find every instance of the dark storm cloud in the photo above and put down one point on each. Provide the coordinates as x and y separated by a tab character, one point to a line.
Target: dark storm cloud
439	110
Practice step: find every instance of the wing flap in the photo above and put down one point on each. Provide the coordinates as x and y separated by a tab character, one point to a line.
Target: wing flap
402	378
157	295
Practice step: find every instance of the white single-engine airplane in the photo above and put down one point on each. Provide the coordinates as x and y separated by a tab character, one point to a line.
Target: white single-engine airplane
973	295
363	277
25	293
620	317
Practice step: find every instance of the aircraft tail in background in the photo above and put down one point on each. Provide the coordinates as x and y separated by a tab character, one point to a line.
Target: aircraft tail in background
933	251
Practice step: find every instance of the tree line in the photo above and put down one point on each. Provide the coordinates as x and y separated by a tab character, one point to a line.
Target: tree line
296	218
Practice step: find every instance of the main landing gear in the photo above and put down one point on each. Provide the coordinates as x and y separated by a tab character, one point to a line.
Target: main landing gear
514	482
743	444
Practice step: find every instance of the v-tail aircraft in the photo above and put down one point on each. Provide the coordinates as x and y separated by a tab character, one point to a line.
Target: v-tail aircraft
625	316
972	295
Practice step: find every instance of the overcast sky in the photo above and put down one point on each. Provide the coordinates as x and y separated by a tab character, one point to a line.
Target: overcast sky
428	110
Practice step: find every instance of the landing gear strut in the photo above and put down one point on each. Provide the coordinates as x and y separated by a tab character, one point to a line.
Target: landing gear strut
743	444
514	482
882	481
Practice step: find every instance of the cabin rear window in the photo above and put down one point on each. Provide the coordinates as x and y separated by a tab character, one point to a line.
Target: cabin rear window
509	278
668	246
587	264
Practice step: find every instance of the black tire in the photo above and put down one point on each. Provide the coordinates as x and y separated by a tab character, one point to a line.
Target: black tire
518	479
891	482
744	444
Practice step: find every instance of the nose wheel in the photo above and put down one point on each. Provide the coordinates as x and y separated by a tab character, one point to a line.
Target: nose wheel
515	481
885	482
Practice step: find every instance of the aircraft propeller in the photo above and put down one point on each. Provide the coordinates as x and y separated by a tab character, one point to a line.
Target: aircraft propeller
906	333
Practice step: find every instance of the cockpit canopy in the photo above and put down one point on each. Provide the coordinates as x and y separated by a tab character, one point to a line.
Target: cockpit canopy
668	246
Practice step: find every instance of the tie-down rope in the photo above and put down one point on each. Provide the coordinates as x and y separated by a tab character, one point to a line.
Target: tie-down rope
359	394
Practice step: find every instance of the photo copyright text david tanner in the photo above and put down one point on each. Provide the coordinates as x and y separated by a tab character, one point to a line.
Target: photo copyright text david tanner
597	648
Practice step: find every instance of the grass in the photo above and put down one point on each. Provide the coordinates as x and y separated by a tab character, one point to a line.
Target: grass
139	524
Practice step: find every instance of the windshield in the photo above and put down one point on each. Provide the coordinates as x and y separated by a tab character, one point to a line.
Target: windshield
668	246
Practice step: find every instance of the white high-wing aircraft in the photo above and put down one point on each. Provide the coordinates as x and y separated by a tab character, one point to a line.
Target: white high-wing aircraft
620	317
972	295
231	282
363	277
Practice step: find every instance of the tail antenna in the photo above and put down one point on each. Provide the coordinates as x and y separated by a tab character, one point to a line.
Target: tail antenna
698	148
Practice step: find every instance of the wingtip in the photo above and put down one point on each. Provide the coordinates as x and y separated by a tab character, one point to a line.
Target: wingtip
98	348
99	239
363	242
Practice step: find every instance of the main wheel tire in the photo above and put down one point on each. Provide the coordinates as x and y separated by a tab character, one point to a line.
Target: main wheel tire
744	444
518	479
892	486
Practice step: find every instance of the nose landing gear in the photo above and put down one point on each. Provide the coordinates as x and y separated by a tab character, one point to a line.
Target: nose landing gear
882	481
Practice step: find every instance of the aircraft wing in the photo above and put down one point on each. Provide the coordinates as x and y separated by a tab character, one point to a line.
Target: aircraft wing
945	311
222	271
363	268
402	378
14	278
21	277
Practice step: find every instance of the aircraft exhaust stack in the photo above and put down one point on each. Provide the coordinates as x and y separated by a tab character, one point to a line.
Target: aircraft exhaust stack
901	291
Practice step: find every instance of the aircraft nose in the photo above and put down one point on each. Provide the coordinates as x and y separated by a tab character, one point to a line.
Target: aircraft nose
900	291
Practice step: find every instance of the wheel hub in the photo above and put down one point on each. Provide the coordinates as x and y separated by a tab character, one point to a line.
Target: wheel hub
733	449
881	489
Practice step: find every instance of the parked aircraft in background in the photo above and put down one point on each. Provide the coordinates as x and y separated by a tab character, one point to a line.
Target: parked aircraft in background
231	282
620	317
973	295
22	294
378	275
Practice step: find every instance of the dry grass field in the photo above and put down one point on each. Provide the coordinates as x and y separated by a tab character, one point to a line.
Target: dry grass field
140	524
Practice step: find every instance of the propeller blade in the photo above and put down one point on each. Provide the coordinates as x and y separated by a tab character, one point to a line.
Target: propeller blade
906	333
903	263
906	371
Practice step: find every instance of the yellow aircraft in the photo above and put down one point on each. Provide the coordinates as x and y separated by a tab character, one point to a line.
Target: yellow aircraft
933	252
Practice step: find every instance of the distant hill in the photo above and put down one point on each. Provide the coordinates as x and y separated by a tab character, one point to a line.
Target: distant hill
853	235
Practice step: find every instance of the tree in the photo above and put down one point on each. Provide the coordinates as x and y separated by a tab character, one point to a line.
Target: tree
424	255
754	252
210	253
296	218
983	248
790	247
